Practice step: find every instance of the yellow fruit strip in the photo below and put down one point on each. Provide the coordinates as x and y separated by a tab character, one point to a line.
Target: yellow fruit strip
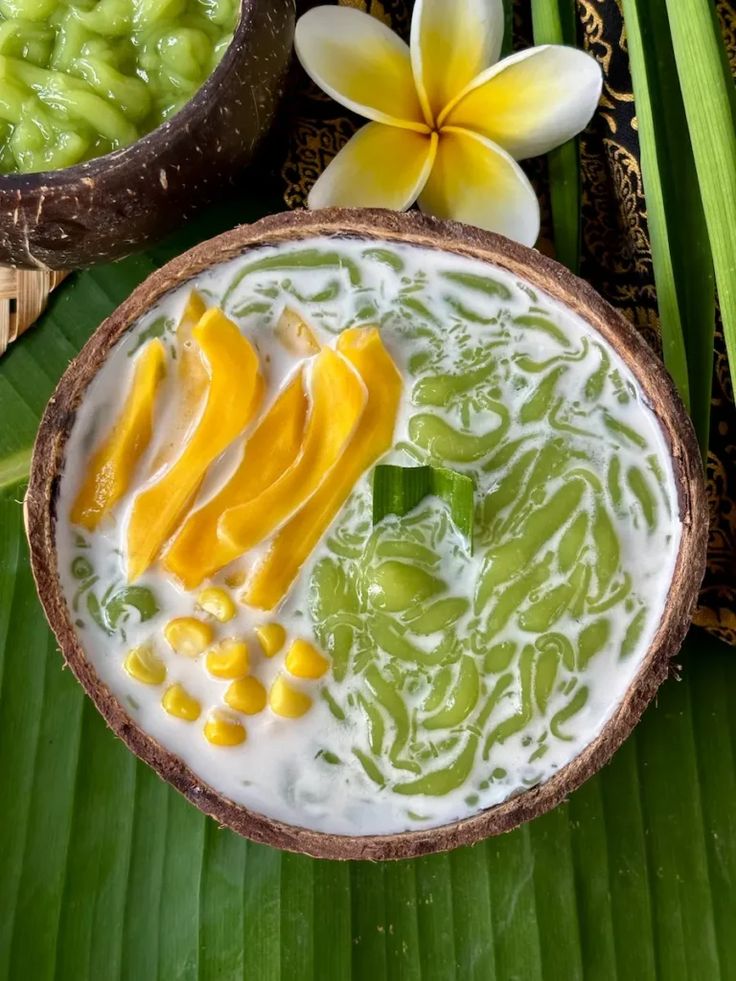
364	348
338	397
196	551
296	335
234	396
111	468
192	380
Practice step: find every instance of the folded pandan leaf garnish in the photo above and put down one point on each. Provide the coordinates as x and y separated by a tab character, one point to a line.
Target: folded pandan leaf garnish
398	490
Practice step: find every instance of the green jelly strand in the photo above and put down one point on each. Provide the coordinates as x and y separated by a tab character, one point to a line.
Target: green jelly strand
438	692
513	596
439	389
596	382
504	455
607	549
440	616
371	768
296	261
480	284
339	645
614	482
499	657
633	634
515	723
449	445
507	490
390	637
387	696
542	324
639	487
440	782
462	699
376	726
593	638
406	549
530	366
572	542
549	463
561	645
540	402
500	689
566	713
505	561
619	428
545	675
548	609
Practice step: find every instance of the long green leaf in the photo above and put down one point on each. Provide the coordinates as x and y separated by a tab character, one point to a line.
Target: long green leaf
679	240
707	91
107	873
553	22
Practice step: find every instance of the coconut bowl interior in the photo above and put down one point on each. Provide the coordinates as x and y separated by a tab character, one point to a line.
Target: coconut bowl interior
113	205
413	229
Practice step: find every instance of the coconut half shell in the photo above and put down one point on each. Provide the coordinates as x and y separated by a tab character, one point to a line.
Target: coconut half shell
419	230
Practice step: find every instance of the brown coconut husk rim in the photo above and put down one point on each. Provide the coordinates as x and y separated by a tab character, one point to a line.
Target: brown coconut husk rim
418	230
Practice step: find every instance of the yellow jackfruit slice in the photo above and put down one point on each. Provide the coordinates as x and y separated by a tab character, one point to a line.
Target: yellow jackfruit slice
196	551
338	397
111	468
363	347
233	397
192	381
296	335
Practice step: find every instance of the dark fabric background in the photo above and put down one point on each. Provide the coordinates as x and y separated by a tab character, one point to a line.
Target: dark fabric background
616	256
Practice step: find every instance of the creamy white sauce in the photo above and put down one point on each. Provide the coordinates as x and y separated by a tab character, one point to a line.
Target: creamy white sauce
281	770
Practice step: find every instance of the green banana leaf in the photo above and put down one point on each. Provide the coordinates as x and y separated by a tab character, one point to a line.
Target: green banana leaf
106	872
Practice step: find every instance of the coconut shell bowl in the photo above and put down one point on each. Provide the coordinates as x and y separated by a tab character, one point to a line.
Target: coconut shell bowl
114	205
328	243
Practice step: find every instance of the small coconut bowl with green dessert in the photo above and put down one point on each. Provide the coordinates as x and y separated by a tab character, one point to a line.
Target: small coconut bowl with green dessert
373	534
119	120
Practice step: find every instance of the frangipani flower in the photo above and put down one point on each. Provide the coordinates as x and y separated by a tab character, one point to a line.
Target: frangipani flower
448	120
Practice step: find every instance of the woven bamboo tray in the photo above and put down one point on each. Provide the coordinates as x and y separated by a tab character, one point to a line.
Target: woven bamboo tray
24	294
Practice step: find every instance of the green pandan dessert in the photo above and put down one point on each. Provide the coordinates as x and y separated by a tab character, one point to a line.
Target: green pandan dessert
80	79
375	537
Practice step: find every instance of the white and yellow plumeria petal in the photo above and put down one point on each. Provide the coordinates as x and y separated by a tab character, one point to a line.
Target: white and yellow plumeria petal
361	63
452	41
380	167
532	101
473	180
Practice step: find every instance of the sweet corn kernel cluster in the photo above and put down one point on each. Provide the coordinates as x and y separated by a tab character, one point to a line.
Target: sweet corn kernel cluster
229	659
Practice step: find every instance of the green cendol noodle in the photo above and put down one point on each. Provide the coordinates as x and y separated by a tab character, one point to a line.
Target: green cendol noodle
78	80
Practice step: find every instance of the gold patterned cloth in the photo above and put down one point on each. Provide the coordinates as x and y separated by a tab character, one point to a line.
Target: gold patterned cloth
616	256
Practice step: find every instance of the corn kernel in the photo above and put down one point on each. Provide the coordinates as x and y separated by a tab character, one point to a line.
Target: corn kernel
246	695
287	701
177	701
228	660
188	636
222	730
305	661
143	665
218	603
271	637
